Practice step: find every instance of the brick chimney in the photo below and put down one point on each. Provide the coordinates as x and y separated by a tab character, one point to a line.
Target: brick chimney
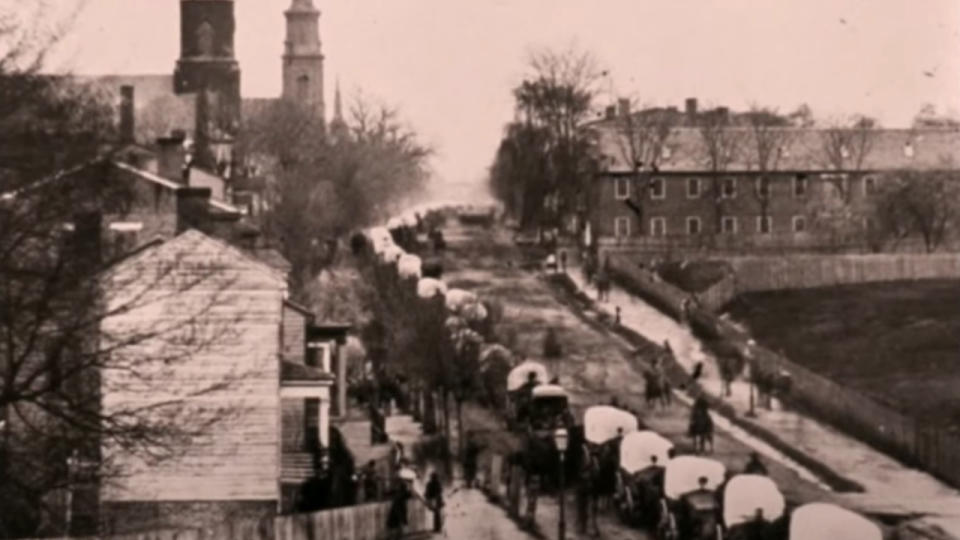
624	105
611	112
691	109
171	158
127	116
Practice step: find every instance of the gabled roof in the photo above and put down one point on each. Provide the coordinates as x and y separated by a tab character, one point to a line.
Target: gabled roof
931	149
191	241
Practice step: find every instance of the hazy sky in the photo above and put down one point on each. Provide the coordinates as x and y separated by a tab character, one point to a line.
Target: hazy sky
449	65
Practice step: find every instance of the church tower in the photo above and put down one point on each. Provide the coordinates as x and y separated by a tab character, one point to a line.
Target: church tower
207	67
302	57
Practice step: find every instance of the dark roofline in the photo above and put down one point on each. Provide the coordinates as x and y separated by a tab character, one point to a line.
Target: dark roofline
742	172
130	254
299	307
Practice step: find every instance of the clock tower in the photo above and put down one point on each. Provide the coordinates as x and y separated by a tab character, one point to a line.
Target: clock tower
302	57
207	67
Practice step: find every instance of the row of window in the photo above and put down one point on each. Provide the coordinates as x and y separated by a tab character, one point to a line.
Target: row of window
728	187
728	225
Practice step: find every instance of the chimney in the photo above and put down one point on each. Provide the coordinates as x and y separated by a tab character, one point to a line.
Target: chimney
624	107
127	116
691	108
611	112
171	159
724	112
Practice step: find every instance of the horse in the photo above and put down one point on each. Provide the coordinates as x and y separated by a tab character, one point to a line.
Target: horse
657	389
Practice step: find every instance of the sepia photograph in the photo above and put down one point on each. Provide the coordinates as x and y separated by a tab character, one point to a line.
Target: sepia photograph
489	270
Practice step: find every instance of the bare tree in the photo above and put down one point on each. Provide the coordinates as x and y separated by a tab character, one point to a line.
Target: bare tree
844	147
919	202
721	144
641	140
770	137
556	97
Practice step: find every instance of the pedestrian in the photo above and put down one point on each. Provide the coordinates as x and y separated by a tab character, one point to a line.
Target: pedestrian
563	261
434	496
370	482
471	453
755	466
618	316
397	515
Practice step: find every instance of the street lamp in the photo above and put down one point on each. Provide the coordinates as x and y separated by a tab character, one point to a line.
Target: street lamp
752	413
560	437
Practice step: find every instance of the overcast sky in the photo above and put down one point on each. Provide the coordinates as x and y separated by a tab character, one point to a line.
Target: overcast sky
449	65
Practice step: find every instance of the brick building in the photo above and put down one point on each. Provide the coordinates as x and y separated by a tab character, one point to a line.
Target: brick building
813	198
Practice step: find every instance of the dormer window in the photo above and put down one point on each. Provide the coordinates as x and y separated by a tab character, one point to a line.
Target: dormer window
844	152
908	149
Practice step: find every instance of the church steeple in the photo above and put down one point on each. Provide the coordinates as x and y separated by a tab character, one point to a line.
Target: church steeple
337	105
303	57
338	127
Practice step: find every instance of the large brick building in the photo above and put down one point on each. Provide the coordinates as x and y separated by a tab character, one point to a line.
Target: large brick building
817	195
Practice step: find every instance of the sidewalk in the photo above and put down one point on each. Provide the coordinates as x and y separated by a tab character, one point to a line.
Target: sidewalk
889	484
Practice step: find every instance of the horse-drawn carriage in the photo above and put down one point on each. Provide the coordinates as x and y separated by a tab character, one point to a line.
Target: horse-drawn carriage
521	382
690	506
753	509
816	521
603	429
643	455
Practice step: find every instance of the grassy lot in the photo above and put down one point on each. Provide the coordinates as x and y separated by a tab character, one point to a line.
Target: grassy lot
899	342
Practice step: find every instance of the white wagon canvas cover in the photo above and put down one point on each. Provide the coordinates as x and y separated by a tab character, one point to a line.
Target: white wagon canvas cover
745	494
519	374
638	447
816	521
601	422
683	473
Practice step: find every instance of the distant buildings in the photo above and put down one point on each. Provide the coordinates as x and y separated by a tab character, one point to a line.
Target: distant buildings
812	190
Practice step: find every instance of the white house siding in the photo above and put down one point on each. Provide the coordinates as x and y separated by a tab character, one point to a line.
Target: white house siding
234	306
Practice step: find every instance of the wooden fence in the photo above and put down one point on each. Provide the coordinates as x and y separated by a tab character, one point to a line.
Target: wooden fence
808	271
914	441
360	522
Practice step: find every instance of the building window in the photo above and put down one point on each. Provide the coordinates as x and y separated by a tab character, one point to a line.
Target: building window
869	185
800	185
303	88
665	152
622	189
311	423
728	225
621	227
799	224
693	225
658	188
658	226
693	188
729	188
764	224
763	187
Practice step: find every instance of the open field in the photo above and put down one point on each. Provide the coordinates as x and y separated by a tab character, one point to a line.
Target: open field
898	342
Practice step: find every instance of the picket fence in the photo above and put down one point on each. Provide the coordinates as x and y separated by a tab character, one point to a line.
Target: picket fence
914	441
360	522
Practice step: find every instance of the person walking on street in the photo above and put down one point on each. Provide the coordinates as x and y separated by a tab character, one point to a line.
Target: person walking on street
563	261
755	466
370	482
470	455
434	497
